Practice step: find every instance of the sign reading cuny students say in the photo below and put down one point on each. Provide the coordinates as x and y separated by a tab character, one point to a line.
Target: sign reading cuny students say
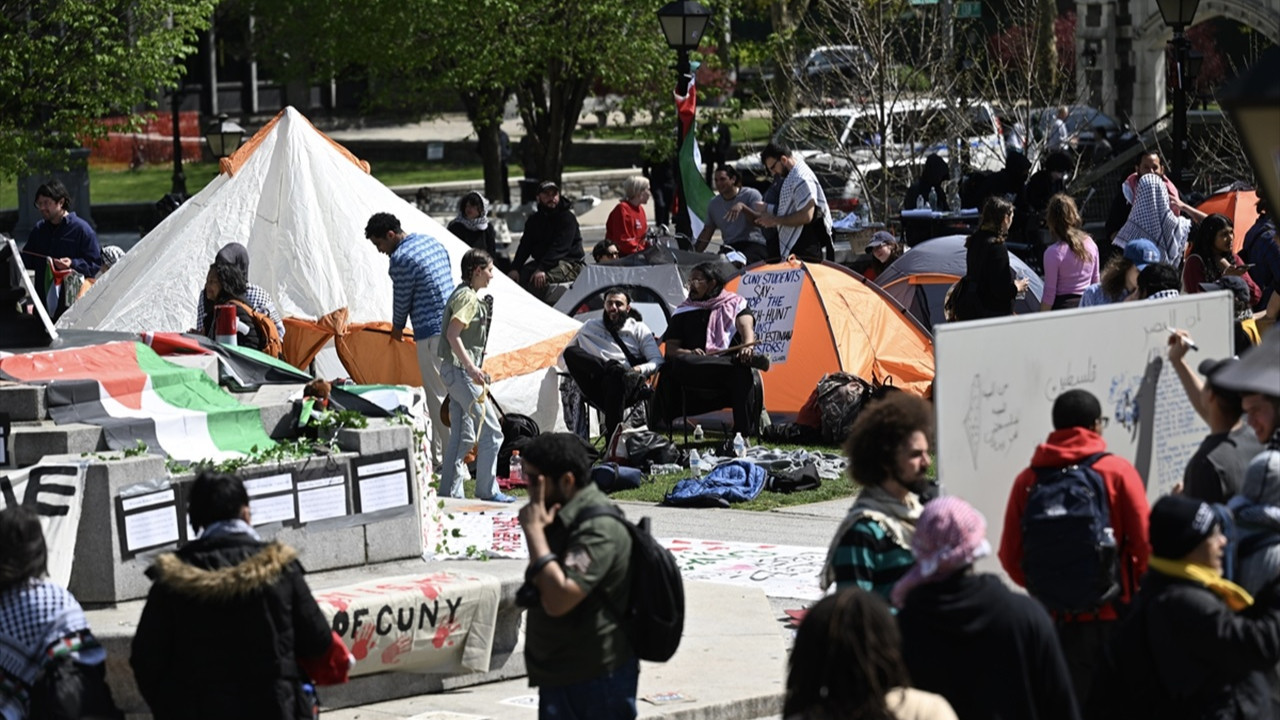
773	296
440	622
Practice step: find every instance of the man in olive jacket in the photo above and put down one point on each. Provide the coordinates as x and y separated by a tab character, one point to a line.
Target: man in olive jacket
226	620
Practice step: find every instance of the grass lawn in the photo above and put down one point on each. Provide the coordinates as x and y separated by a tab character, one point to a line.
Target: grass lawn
148	184
657	486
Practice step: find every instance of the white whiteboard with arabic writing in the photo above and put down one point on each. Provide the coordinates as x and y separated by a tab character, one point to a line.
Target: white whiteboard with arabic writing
997	380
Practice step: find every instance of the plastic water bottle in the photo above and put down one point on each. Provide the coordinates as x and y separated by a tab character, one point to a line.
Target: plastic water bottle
739	445
933	198
921	203
698	435
515	472
694	462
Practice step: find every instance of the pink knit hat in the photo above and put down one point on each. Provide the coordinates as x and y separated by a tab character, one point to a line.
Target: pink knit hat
950	535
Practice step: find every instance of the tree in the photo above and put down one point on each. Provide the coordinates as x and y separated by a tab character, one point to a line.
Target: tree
65	65
548	53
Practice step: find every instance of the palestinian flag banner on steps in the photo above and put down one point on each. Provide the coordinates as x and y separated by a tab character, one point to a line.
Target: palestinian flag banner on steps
134	394
696	192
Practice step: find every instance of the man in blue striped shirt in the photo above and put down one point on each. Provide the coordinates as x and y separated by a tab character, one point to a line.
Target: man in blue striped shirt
888	449
422	281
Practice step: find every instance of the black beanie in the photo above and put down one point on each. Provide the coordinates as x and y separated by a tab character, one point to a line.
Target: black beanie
1179	524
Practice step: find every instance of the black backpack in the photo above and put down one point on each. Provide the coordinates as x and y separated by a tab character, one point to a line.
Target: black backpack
654	616
1069	550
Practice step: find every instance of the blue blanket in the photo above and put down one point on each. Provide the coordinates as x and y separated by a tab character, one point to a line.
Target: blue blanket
728	482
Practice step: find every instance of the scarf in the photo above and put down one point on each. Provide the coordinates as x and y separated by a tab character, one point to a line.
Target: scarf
33	617
234	526
1129	189
480	223
800	186
1151	218
897	517
725	307
1236	597
950	535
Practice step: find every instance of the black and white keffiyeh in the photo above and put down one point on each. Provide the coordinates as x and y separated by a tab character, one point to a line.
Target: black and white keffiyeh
33	617
1150	218
478	223
799	187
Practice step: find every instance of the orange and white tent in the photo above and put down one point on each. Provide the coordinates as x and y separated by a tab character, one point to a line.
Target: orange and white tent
817	318
299	202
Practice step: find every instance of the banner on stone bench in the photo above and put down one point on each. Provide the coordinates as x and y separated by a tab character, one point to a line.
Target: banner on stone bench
435	623
55	491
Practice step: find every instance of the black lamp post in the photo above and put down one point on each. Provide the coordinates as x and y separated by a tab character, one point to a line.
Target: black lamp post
223	136
1178	15
1253	102
179	188
683	22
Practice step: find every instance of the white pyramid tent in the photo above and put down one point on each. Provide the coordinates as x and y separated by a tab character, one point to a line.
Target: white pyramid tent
299	202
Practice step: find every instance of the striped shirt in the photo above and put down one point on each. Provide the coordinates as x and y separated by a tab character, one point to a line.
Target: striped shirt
256	298
867	556
422	283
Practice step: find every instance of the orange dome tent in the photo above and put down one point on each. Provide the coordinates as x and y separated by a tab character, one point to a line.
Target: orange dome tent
817	318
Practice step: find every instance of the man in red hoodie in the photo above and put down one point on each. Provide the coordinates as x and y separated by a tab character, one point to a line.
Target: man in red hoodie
1078	424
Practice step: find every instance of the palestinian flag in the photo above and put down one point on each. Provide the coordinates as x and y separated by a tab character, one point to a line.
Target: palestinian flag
134	394
696	192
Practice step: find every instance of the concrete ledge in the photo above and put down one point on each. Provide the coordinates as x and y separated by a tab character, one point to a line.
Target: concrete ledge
24	403
115	628
33	442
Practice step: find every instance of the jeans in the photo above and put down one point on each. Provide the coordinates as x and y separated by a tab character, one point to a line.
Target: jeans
610	696
466	413
429	363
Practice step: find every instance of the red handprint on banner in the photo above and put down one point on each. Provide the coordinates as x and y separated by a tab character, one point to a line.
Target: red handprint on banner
402	645
364	643
443	632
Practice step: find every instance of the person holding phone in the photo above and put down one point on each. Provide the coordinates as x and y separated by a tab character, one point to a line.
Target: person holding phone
1212	257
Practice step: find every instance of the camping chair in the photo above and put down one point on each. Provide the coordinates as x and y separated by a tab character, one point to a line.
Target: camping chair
699	401
577	407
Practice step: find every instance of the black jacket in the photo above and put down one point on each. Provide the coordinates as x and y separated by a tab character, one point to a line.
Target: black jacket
990	652
486	239
1183	654
549	237
987	267
222	628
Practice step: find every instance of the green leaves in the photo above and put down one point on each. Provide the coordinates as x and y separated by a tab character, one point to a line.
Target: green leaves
65	65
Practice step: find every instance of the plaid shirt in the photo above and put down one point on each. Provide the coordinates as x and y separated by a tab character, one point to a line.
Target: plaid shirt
257	298
422	283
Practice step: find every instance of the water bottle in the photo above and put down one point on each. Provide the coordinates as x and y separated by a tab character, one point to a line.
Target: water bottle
515	472
739	445
698	435
694	462
921	203
933	198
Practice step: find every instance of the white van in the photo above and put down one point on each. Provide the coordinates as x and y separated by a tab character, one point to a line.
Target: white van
842	145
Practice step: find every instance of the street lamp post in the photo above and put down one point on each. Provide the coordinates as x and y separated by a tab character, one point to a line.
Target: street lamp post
1178	15
223	136
683	23
179	178
1253	102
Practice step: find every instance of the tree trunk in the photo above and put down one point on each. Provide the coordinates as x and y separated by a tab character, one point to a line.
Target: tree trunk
484	109
551	117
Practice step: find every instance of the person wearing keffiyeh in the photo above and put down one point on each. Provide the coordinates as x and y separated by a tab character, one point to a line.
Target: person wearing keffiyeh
1152	218
710	351
1195	645
39	619
801	216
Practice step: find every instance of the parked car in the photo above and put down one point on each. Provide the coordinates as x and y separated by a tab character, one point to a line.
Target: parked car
842	145
1098	135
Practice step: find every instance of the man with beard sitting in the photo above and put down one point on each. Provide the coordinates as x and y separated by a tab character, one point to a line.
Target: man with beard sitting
611	356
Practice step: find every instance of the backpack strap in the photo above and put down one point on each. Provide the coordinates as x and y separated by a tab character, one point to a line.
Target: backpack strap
632	359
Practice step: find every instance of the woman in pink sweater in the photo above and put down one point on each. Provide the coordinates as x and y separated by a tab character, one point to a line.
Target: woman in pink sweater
1070	263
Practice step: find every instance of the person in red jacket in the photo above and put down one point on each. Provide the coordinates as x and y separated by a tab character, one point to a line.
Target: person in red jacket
1077	434
627	224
